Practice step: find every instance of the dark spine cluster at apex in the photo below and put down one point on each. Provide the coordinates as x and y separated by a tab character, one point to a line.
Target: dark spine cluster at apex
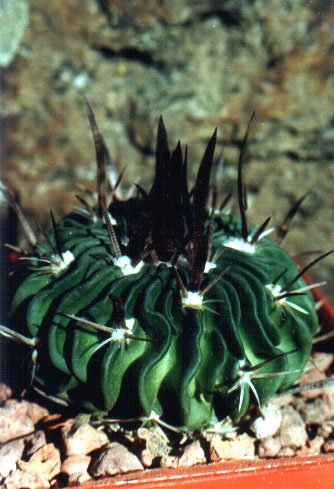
159	307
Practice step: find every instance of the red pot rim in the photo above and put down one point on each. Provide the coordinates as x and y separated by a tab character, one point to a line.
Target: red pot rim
309	472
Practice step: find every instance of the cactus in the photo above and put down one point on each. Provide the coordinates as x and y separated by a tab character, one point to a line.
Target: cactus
158	306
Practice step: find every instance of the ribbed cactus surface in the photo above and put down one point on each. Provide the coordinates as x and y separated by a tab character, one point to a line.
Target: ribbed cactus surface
157	306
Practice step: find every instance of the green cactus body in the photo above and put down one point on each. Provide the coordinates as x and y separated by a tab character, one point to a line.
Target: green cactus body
178	344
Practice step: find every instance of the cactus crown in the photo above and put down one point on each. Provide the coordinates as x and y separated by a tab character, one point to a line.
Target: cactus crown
157	306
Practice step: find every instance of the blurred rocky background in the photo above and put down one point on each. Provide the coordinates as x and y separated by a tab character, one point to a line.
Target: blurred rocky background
199	63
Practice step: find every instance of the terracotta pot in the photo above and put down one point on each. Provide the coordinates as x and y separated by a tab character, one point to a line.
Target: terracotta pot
307	472
288	473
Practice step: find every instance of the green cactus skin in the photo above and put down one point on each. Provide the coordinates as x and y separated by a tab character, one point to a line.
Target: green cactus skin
196	366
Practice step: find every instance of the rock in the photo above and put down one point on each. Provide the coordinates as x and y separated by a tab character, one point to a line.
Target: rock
325	430
11	403
75	464
45	462
35	411
323	360
312	447
307	378
329	446
293	429
267	425
298	403
7	465
269	447
169	462
156	446
84	440
14	422
329	404
23	480
286	452
13	448
316	444
192	455
116	460
318	411
14	18
241	447
36	441
314	412
10	454
5	392
78	478
330	389
282	400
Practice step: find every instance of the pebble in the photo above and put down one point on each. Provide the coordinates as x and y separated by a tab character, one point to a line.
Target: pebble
78	478
312	447
241	447
323	360
14	422
23	480
13	449
329	446
315	412
7	465
269	423
117	459
35	412
156	446
326	429
269	447
293	429
329	390
192	455
36	441
307	378
5	392
316	444
169	462
286	452
75	464
46	462
84	440
282	400
319	411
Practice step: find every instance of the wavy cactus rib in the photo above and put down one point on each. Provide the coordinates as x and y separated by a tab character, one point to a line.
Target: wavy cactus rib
171	312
